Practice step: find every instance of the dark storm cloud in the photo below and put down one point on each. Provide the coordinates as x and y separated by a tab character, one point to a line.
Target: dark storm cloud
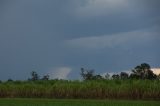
33	35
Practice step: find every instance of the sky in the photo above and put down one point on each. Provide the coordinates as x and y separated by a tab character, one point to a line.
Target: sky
58	37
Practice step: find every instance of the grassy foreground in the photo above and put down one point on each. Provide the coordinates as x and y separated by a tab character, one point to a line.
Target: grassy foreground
107	89
71	102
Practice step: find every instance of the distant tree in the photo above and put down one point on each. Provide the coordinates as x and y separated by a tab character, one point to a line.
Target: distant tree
45	77
34	76
9	80
87	74
143	71
124	75
115	76
107	76
133	76
158	77
151	75
97	77
0	81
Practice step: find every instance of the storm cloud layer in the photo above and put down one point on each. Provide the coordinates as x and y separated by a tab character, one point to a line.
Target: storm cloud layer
65	35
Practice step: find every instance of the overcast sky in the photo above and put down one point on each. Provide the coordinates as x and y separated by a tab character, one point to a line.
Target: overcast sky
58	37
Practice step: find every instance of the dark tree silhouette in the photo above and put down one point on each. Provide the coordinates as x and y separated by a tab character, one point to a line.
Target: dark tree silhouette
9	80
158	77
97	77
143	71
115	76
34	76
87	74
45	77
133	76
124	75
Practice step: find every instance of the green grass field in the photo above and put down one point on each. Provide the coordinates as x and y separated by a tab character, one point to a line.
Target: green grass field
66	102
103	89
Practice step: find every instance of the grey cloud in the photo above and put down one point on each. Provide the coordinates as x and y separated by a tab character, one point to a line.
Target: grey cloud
33	35
111	41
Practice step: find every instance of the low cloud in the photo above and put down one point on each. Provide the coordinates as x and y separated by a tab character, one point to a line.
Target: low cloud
156	71
60	72
111	41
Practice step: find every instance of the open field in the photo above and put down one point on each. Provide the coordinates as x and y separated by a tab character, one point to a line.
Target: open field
61	89
58	102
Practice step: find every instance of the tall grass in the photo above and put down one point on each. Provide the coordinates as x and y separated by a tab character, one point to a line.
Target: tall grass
100	89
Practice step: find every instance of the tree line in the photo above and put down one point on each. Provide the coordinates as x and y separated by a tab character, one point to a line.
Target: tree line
142	71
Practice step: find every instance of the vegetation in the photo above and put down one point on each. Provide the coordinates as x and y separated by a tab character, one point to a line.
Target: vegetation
34	77
142	72
92	89
48	102
142	83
